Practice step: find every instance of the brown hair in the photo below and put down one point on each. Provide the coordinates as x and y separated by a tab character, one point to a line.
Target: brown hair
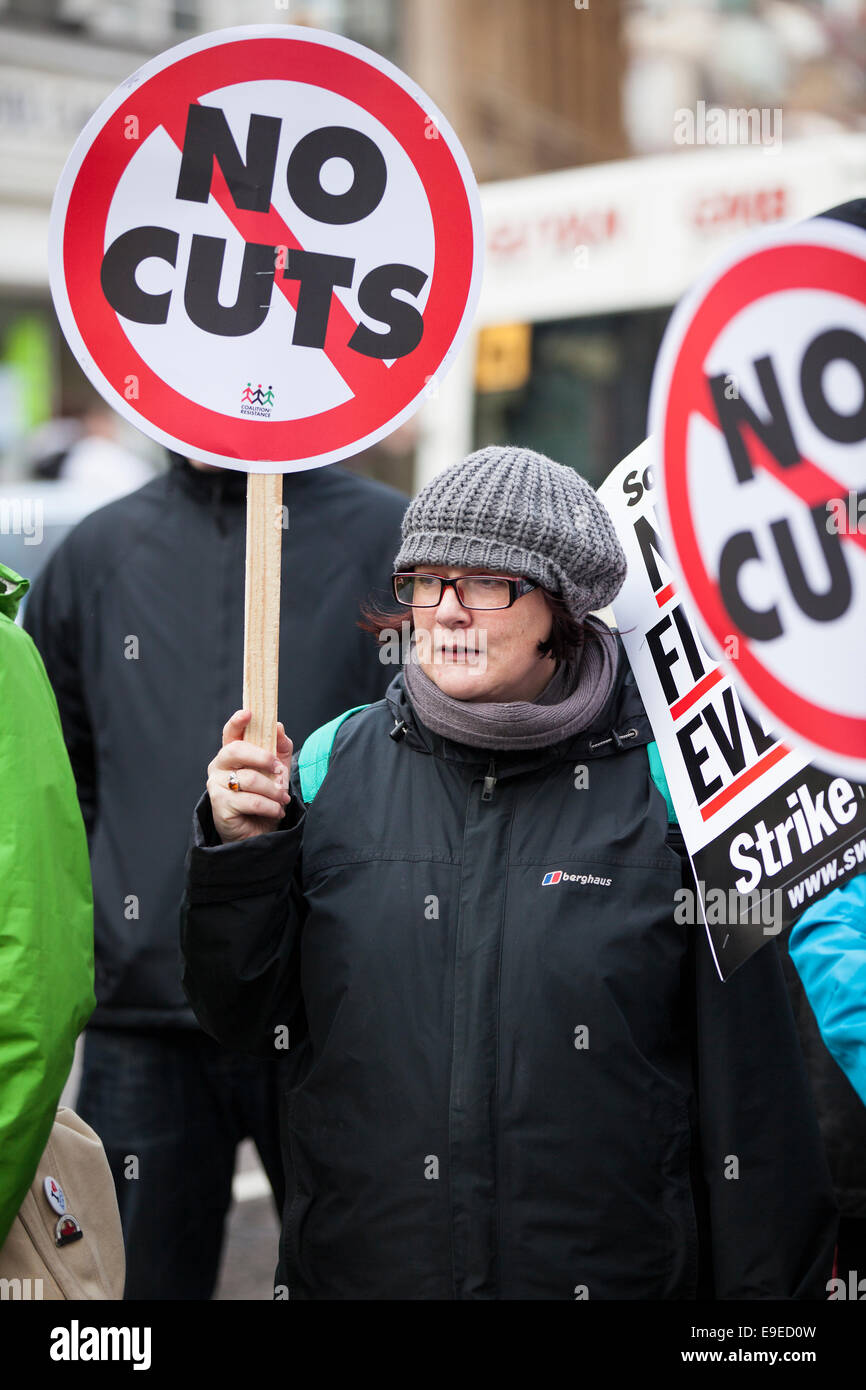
566	633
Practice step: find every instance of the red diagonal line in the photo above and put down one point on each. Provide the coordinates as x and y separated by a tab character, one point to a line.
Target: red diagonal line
686	701
365	376
664	594
805	479
745	779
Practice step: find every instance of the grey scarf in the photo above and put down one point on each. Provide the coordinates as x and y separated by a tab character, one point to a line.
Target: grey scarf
569	703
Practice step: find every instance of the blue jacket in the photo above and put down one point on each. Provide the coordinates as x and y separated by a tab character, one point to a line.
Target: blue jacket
828	947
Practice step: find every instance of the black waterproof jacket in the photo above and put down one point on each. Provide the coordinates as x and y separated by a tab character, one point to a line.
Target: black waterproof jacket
502	1085
139	618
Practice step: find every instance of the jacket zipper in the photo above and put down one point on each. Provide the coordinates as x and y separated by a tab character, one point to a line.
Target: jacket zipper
487	795
489	782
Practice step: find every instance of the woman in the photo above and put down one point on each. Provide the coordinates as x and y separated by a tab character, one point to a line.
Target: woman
511	1073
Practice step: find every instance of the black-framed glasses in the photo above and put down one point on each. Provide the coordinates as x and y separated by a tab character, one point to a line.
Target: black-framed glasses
481	591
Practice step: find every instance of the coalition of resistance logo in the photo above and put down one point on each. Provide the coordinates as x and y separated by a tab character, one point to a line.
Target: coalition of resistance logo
258	401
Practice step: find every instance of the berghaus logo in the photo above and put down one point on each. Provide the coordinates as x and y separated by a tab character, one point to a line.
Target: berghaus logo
560	876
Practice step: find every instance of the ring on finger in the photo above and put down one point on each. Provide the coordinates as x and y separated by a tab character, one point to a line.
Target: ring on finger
233	784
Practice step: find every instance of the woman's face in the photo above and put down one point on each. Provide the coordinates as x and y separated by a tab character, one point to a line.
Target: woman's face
483	655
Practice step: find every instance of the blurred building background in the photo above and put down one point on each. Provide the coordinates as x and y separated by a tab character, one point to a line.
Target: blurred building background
604	193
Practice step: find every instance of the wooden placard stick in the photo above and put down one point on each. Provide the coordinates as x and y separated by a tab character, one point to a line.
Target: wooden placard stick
262	606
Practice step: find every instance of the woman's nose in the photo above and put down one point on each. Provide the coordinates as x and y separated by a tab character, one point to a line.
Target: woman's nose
450	608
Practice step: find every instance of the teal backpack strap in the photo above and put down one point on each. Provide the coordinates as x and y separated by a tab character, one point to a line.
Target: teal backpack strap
315	754
658	775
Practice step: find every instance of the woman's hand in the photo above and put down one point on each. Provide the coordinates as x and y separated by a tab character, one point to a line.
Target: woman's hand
263	779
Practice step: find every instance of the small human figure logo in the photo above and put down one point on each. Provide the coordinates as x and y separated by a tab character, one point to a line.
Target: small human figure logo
257	400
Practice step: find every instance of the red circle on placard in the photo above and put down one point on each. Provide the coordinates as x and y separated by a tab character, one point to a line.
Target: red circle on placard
773	270
158	102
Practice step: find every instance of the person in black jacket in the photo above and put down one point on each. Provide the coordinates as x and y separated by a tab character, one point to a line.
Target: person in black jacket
513	1074
139	617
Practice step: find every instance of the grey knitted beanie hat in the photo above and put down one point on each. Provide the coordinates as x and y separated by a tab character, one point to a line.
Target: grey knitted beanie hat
517	512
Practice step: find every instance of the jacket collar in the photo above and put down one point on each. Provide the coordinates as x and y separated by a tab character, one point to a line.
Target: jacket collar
621	724
13	587
226	485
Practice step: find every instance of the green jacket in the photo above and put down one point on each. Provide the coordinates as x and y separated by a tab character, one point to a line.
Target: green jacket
46	907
